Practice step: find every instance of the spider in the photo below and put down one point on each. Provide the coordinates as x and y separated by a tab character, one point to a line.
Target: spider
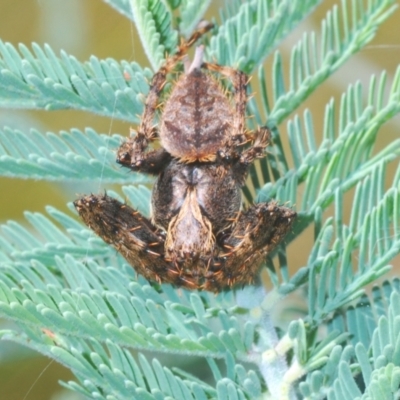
198	236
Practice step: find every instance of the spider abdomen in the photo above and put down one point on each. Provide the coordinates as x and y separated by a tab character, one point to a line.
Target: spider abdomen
196	119
212	186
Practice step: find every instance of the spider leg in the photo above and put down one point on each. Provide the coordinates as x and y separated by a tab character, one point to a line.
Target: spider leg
132	235
257	232
262	136
132	153
243	160
239	81
261	139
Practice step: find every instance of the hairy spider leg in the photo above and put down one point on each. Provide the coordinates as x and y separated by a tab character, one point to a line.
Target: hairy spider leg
241	161
132	153
239	81
257	232
132	235
260	138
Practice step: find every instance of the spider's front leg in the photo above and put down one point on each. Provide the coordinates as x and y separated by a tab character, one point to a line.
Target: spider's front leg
239	135
133	153
257	232
238	129
242	161
261	139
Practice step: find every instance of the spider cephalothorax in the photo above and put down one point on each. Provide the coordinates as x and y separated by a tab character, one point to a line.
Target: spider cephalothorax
198	236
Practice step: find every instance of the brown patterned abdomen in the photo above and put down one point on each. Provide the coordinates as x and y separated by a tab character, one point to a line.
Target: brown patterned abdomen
196	118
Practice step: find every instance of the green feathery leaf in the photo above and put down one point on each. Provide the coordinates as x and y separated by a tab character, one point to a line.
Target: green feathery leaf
153	21
122	6
40	79
251	29
73	298
73	155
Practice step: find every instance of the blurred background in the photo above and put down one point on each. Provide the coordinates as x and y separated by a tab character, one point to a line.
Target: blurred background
86	27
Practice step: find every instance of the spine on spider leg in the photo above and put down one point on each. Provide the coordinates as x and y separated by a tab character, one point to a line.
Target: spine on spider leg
202	29
127	230
256	150
261	140
239	81
257	233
